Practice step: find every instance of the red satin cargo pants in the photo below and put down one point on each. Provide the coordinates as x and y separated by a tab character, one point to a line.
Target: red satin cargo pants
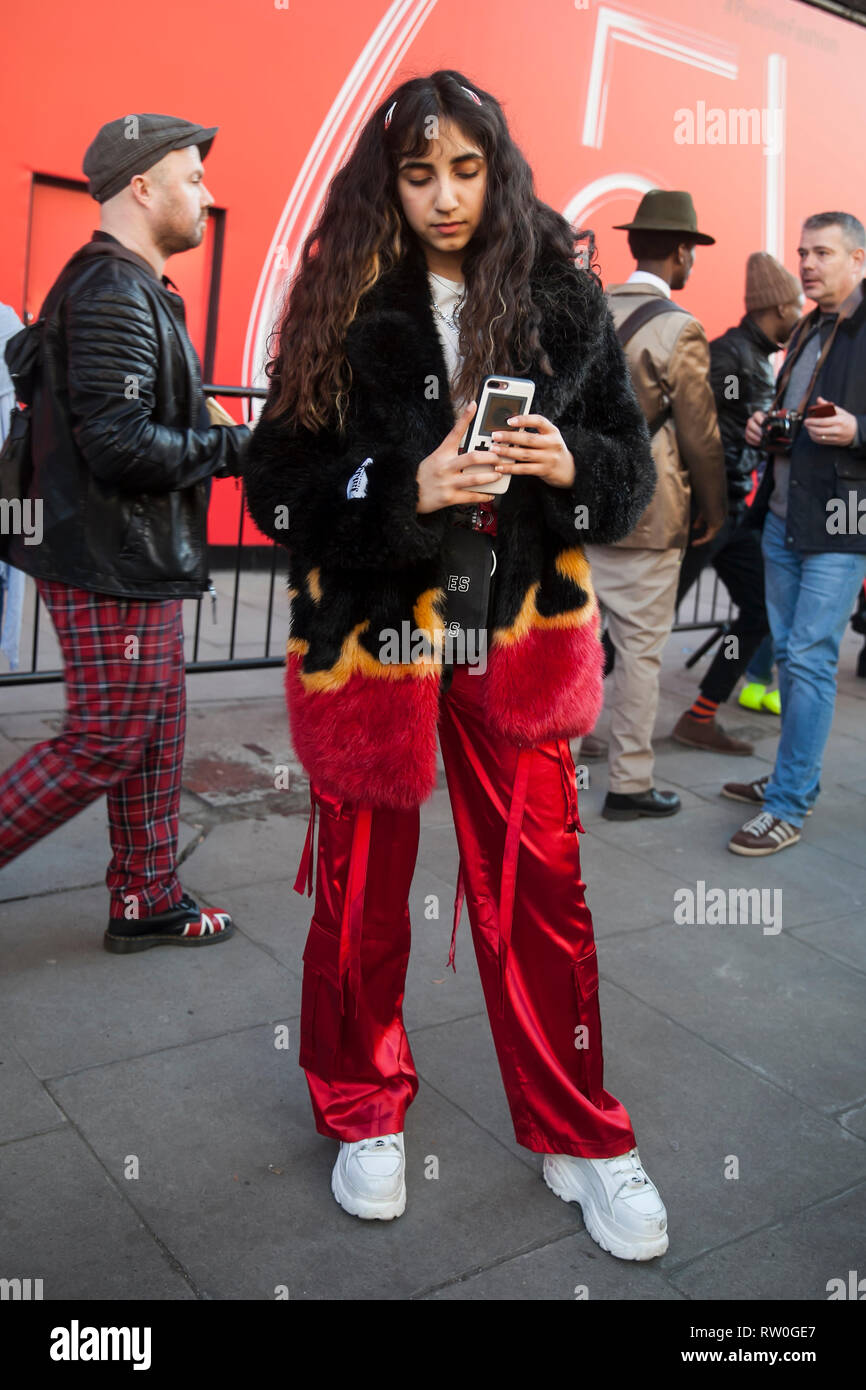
516	820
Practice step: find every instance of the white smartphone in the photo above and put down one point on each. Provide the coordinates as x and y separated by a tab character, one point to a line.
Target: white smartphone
500	397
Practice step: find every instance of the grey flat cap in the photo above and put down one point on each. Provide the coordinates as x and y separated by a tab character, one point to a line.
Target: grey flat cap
132	144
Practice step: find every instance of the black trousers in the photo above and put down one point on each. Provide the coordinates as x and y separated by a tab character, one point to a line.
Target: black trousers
735	555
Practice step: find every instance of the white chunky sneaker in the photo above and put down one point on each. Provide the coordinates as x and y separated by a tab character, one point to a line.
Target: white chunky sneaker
369	1177
622	1209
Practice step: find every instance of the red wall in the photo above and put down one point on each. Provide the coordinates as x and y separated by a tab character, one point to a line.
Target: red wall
269	77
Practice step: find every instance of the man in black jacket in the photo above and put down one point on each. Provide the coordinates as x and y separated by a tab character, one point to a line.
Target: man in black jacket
742	382
812	506
123	454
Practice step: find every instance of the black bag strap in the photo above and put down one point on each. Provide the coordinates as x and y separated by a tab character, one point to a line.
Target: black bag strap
643	314
650	309
23	350
788	367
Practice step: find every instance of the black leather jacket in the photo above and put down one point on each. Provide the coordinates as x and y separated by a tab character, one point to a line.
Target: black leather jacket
742	380
122	449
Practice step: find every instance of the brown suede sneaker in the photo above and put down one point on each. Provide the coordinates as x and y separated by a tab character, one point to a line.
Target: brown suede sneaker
752	792
764	834
706	734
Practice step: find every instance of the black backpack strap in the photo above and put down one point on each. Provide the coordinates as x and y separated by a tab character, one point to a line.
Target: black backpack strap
650	309
23	351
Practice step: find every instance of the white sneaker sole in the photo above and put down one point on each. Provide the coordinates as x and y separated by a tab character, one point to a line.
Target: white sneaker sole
749	800
597	1223
368	1208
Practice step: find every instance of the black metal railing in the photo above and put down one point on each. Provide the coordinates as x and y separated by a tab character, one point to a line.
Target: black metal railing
695	613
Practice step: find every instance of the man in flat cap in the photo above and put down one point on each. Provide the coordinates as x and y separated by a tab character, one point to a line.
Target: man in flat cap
124	450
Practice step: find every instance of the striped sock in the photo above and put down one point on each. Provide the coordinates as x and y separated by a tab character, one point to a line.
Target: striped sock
704	709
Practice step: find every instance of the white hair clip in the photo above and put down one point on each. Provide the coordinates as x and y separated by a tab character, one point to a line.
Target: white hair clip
474	95
389	113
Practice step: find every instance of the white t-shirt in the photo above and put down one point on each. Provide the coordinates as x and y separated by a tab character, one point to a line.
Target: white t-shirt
447	295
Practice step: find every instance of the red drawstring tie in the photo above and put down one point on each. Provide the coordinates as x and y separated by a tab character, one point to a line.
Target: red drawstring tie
353	904
305	868
353	908
509	864
512	848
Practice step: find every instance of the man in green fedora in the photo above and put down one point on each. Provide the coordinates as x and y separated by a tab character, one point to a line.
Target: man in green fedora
636	579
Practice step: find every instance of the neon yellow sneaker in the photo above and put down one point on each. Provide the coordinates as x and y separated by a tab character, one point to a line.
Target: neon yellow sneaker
772	701
752	695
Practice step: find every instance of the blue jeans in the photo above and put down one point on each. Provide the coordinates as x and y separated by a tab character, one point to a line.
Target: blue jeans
809	601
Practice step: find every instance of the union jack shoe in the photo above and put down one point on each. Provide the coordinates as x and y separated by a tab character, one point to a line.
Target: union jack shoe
187	924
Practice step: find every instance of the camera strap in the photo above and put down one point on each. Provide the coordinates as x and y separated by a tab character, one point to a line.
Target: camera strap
787	369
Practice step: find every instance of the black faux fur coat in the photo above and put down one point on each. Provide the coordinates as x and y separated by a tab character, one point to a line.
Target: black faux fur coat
364	728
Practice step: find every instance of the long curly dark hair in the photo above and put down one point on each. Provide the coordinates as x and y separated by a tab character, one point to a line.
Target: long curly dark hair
362	232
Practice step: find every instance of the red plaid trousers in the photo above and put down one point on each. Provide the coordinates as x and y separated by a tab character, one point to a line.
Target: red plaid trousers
123	736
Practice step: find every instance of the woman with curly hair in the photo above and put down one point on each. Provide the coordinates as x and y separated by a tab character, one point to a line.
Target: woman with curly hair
433	266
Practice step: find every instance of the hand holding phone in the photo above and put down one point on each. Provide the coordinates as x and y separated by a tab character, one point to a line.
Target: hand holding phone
440	476
500	397
826	423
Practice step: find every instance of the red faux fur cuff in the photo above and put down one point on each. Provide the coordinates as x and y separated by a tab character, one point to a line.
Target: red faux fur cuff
547	685
371	742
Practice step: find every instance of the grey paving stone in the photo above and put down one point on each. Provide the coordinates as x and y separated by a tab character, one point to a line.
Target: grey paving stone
434	992
795	1260
10	752
691	1108
684	767
65	1224
751	995
276	917
838	826
67	1003
855	1120
844	938
248	851
437	851
25	1106
816	886
75	854
236	1181
624	894
573	1268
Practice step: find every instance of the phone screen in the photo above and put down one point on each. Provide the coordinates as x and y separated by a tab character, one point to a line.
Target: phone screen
497	411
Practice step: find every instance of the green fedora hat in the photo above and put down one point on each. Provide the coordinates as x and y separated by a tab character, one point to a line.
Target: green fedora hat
661	210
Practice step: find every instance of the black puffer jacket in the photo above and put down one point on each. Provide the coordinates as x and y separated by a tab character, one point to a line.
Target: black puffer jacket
123	452
742	380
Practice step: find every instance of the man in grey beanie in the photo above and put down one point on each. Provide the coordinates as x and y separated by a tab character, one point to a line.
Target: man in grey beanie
124	450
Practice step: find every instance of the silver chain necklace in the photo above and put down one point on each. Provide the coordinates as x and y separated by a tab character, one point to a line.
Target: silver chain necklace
453	320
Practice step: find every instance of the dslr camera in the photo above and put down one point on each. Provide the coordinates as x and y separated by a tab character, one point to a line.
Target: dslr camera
779	429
